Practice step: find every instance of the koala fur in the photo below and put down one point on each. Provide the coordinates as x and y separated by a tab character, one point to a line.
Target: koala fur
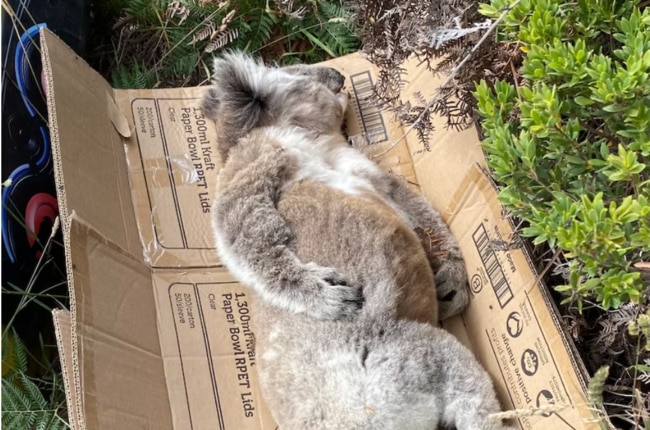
348	280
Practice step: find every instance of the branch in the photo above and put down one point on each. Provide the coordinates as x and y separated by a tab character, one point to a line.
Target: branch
451	76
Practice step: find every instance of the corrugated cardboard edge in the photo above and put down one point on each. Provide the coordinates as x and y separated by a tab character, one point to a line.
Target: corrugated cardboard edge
63	334
73	391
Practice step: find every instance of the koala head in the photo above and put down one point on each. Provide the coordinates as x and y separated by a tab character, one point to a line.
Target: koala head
245	94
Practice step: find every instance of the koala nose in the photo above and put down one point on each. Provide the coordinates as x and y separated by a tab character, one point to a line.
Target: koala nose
336	80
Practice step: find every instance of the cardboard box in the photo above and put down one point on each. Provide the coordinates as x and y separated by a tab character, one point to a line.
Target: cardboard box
148	341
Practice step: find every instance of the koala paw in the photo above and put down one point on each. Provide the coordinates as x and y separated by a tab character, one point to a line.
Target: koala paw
333	298
452	288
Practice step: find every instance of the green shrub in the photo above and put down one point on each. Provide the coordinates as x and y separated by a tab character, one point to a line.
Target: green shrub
570	145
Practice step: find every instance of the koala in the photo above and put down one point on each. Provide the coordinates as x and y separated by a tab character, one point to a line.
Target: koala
351	270
295	115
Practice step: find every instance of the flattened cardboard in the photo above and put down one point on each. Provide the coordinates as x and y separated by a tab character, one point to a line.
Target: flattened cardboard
173	169
208	349
119	360
512	323
510	332
159	333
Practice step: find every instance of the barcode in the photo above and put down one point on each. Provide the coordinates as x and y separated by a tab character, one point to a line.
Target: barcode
492	266
372	121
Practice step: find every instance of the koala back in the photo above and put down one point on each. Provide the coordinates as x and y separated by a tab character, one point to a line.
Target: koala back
367	242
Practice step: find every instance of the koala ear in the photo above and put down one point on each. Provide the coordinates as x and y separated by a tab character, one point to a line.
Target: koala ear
240	89
210	103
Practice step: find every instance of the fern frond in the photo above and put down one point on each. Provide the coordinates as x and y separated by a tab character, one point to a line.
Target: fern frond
180	67
46	423
14	355
136	76
329	28
122	21
340	39
177	9
439	37
221	40
155	37
146	12
625	313
254	24
10	401
203	33
227	19
338	12
15	396
25	408
33	393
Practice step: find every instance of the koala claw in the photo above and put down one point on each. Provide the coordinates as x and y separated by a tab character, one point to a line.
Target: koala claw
452	288
334	298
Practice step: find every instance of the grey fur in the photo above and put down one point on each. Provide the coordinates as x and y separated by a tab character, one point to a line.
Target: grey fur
373	374
247	95
255	232
314	228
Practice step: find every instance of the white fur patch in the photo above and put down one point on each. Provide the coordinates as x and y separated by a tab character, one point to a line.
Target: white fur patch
329	160
260	77
274	334
270	355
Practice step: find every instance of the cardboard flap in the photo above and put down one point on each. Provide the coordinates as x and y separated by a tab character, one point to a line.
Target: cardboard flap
63	333
208	348
509	320
442	170
87	151
173	166
116	355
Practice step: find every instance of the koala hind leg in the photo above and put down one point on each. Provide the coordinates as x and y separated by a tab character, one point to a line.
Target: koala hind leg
441	247
435	368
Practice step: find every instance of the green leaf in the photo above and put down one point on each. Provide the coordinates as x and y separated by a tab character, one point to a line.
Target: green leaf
563	288
646	59
614	108
488	10
583	101
641	367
